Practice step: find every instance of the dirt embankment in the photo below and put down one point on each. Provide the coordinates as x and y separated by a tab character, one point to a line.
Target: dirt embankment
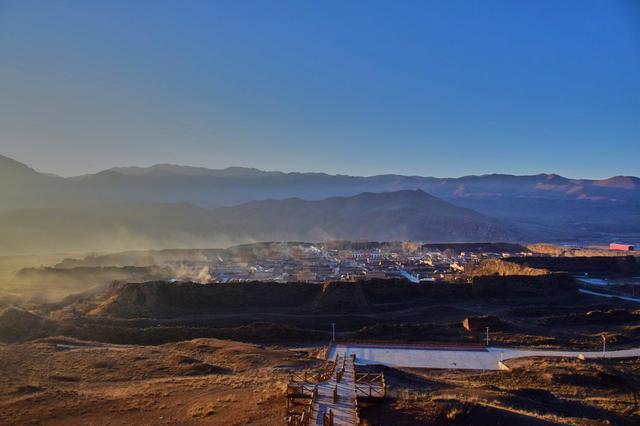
550	285
161	299
610	265
341	297
166	300
477	247
267	312
553	250
503	267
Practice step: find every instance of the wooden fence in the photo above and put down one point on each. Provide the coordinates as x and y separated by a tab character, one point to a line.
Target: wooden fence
296	392
302	392
370	386
370	392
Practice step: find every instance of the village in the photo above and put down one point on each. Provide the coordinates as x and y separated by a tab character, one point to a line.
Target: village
318	263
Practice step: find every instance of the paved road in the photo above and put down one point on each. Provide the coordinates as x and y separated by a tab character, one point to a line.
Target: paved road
594	293
344	409
463	359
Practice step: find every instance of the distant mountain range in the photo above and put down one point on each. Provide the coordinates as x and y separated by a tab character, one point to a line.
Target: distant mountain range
245	204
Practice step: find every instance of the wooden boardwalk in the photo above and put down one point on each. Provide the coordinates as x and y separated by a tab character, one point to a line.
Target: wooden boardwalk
330	397
344	407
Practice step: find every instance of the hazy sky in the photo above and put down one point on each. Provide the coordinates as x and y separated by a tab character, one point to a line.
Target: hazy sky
443	88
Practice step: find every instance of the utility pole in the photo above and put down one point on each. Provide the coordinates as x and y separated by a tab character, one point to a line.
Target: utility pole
604	345
487	335
333	331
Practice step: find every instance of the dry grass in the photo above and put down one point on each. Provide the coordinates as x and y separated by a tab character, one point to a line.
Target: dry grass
535	391
205	381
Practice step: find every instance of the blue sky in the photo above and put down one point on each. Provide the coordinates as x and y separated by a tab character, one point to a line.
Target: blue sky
440	88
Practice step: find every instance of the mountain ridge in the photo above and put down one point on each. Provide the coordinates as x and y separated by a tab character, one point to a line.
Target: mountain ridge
546	205
189	170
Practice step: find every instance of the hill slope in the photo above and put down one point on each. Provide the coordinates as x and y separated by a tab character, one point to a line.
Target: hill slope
398	215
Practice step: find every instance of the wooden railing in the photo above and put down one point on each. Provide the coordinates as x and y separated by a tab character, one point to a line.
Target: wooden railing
370	386
295	392
301	390
328	371
314	377
300	419
369	377
300	377
342	369
370	391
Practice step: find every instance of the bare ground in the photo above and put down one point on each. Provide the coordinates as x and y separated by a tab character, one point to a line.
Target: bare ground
205	381
535	392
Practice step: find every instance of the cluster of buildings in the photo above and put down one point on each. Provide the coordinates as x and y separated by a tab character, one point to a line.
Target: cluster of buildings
318	263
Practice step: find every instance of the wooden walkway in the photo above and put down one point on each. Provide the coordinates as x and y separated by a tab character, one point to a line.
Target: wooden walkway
344	407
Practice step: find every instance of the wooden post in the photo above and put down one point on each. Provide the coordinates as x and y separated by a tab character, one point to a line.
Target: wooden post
327	419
